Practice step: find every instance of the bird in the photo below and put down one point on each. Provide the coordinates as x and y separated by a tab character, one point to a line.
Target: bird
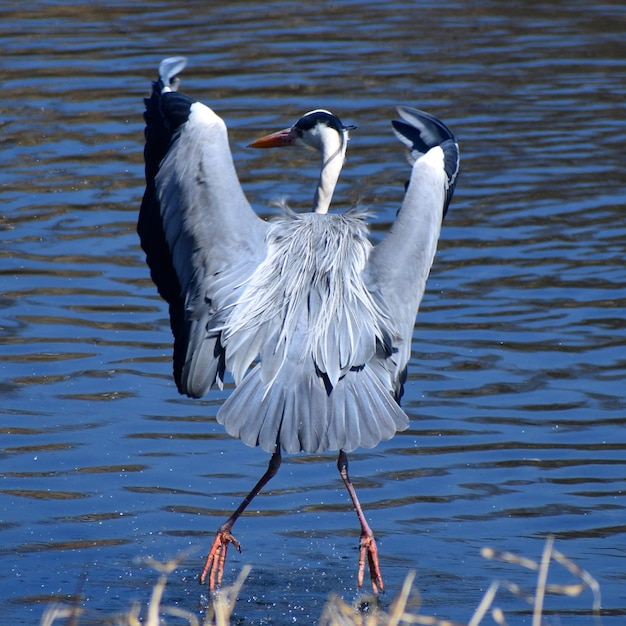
312	320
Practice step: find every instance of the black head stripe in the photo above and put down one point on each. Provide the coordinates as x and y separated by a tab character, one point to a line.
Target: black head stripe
312	119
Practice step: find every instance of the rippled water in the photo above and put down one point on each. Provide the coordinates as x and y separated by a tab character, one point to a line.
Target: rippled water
516	388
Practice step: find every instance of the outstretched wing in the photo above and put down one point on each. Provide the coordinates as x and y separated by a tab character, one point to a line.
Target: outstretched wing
201	237
399	265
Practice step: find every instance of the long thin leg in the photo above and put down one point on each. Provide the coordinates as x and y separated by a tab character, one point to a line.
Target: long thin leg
368	544
214	565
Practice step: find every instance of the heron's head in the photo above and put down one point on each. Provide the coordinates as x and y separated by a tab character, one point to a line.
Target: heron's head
317	130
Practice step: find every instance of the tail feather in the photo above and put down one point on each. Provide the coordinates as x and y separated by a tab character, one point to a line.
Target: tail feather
301	414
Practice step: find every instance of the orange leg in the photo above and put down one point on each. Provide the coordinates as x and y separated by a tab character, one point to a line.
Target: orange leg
216	558
368	544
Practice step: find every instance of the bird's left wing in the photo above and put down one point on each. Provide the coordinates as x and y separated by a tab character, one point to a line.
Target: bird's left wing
399	265
201	237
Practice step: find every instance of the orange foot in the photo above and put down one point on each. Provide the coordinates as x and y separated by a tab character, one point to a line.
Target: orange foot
368	548
214	565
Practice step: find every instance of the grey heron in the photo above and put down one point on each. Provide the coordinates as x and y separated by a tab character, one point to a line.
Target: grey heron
313	321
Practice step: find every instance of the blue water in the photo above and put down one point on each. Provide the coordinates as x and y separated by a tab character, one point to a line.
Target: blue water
516	382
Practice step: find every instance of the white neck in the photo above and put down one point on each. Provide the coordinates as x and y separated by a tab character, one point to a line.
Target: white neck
333	151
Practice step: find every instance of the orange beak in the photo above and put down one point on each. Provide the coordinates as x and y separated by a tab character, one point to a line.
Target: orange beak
279	139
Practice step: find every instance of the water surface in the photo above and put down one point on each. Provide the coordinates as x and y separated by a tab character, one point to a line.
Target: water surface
516	382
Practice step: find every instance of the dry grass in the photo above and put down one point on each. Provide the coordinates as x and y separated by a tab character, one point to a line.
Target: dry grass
403	610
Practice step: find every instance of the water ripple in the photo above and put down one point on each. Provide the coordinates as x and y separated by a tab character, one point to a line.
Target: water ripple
515	387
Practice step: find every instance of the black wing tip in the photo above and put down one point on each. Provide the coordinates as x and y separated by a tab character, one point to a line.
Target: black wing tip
418	123
167	109
420	131
411	137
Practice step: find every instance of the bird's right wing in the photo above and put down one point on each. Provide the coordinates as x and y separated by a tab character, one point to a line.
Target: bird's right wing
202	239
399	265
